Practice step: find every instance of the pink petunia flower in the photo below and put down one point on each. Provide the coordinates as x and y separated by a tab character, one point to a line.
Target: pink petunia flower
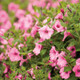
3	41
13	7
14	54
55	4
62	54
64	75
24	23
73	50
59	16
78	61
30	9
66	34
52	62
37	48
2	31
20	13
3	16
53	53
45	32
58	27
74	1
7	25
76	69
40	40
61	62
34	30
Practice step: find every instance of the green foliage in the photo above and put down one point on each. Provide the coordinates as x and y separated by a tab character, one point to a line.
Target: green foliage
42	60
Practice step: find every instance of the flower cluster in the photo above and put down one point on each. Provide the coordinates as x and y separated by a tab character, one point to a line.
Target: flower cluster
40	41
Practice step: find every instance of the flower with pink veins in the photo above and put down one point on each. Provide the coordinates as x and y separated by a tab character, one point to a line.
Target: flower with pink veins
28	21
66	34
3	41
39	3
76	69
55	4
3	16
73	50
78	61
61	62
19	77
40	40
52	62
34	30
62	54
14	54
58	27
13	7
30	8
2	31
37	48
48	6
20	13
74	1
24	23
45	32
59	16
7	25
53	53
64	75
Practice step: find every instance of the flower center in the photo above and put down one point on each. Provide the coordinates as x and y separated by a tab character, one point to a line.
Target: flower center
58	26
66	72
15	53
54	52
46	31
72	49
78	70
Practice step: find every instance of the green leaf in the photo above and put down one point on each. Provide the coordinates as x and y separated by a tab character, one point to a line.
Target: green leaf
67	69
43	51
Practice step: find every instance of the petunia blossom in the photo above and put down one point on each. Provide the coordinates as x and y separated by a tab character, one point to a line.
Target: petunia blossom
64	75
53	53
14	54
61	62
45	32
76	69
37	48
58	27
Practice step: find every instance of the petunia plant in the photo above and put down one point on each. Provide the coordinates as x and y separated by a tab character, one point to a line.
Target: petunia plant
40	40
